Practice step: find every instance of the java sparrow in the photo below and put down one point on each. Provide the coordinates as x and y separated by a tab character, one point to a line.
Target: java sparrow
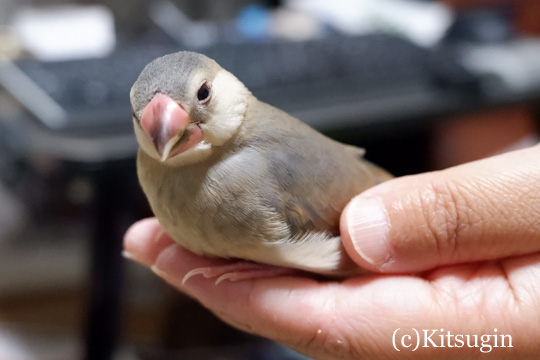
230	176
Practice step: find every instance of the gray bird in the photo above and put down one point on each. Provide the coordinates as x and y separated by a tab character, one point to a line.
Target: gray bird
230	176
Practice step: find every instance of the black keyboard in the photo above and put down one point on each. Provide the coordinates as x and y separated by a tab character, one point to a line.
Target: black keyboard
93	95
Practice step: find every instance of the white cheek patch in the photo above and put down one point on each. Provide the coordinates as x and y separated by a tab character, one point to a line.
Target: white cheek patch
230	105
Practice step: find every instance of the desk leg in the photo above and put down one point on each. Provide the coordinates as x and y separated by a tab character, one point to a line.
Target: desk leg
106	277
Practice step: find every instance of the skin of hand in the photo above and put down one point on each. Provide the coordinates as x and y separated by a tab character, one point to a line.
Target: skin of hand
453	252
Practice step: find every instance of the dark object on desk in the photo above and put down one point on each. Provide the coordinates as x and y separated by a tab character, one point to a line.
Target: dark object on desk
91	96
483	26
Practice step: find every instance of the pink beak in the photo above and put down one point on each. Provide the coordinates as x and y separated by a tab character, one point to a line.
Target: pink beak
169	127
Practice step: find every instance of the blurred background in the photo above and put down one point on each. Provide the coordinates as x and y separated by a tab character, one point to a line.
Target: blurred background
422	85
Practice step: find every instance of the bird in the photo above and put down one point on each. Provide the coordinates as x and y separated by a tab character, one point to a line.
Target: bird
230	176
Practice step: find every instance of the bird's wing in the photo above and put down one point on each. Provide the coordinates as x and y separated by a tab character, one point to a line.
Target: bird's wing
316	201
315	176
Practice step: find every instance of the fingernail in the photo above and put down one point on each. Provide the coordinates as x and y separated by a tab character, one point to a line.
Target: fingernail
164	265
129	256
159	272
159	235
367	221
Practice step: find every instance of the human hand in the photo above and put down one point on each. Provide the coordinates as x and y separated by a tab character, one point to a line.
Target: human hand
470	235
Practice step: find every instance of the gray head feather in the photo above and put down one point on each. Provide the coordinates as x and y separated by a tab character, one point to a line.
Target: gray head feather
169	74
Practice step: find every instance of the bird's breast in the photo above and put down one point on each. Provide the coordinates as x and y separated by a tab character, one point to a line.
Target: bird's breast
219	210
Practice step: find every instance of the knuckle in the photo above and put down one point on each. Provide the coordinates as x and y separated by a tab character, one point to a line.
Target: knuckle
328	341
324	334
332	335
448	214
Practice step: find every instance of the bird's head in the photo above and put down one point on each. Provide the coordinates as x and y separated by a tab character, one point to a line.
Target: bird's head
184	105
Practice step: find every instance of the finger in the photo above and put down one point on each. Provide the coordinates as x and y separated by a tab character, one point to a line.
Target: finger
357	318
318	319
145	240
484	210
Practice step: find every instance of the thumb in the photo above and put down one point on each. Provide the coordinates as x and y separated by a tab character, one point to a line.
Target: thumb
479	211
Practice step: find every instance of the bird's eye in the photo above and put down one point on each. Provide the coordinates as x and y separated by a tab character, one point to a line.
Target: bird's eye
203	95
